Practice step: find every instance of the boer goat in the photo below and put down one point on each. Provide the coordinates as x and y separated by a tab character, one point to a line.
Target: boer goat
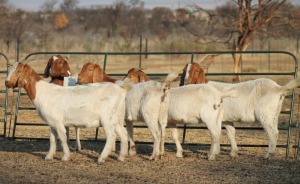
258	100
92	73
58	69
136	75
79	106
144	102
157	105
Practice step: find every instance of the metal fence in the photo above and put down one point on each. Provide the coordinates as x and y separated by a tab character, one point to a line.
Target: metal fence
4	95
291	73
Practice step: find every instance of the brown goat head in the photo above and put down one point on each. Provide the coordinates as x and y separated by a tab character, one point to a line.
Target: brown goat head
57	67
91	73
193	73
20	75
136	75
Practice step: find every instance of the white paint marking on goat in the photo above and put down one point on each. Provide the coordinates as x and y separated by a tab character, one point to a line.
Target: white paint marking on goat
54	58
25	81
69	72
187	73
69	81
11	71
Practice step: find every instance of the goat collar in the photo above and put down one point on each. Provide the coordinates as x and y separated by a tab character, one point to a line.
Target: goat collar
58	78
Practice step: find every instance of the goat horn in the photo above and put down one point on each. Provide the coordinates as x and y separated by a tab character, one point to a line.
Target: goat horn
138	69
209	57
25	61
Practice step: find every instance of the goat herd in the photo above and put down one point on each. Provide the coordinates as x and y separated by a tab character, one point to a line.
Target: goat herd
111	103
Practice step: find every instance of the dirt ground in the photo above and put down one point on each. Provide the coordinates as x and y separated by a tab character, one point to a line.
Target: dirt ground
22	161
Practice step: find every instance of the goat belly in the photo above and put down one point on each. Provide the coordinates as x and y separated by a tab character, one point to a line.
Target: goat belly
91	124
82	118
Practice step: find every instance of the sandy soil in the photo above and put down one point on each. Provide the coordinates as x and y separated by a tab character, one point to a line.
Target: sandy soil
22	161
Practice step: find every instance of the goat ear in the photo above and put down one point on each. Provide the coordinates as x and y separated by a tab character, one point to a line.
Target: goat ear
47	69
23	79
201	76
66	65
142	77
183	75
97	74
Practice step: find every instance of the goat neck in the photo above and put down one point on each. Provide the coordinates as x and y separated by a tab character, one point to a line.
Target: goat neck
106	78
57	80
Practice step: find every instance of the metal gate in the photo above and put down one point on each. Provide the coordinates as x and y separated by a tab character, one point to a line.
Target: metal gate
4	95
292	73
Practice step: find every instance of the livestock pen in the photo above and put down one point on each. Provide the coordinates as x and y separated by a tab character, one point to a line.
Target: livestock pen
157	65
3	95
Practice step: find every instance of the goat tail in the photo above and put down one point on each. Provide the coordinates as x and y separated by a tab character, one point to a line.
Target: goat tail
231	93
291	85
126	84
169	79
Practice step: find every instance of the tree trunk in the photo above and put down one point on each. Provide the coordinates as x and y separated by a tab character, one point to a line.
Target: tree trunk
237	65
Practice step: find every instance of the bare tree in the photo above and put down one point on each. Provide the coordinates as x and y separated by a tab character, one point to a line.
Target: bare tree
237	26
69	5
111	17
161	22
49	6
131	23
11	24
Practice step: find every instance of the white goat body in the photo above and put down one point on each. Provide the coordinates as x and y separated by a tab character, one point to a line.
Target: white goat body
190	104
144	103
259	100
85	107
194	104
79	106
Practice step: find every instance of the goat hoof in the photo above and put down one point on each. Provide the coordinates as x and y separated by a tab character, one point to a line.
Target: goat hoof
179	155
132	150
155	158
100	161
78	149
152	158
65	158
48	157
211	157
233	154
268	155
121	158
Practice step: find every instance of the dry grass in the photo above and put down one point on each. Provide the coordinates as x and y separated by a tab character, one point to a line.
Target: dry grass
21	161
